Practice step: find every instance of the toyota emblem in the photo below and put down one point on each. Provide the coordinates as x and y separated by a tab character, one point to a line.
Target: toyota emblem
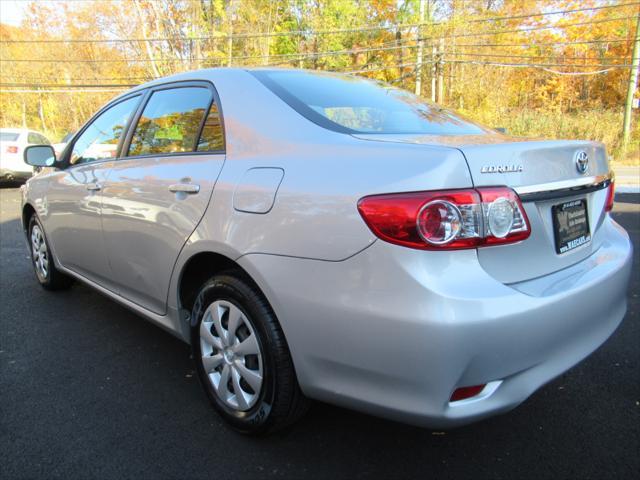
582	161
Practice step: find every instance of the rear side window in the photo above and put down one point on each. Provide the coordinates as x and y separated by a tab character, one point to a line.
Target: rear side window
42	140
170	122
212	137
33	138
8	136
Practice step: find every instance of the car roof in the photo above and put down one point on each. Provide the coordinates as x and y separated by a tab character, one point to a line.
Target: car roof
211	74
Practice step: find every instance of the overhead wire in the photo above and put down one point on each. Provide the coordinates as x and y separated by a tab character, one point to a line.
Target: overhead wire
363	28
384	46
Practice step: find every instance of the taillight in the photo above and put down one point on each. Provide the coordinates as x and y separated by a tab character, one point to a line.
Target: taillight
452	219
12	149
611	193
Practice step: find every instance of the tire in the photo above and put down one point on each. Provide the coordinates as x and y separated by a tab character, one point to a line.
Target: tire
245	318
48	276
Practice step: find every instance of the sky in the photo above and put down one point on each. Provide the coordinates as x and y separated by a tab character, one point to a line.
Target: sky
11	11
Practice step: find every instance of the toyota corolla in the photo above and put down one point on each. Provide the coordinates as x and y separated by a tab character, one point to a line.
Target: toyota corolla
323	236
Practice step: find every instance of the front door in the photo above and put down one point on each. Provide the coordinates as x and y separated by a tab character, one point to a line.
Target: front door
73	201
157	193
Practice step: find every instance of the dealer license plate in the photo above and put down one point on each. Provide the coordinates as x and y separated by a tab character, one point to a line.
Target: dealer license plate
570	225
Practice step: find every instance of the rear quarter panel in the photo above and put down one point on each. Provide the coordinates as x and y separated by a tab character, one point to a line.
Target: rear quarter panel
325	174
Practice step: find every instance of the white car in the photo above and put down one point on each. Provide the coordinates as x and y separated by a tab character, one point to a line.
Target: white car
13	141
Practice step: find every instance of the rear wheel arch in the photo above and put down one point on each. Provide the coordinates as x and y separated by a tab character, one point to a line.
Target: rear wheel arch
200	268
27	212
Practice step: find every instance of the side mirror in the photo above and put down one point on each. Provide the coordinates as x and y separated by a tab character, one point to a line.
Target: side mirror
500	129
40	156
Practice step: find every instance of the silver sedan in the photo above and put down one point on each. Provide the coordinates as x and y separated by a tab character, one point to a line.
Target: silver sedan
321	236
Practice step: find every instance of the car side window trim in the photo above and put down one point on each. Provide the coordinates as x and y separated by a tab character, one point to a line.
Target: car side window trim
65	162
215	99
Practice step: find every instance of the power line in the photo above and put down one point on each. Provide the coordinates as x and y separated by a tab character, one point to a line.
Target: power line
558	12
359	29
573	74
79	90
528	29
59	85
378	69
71	79
447	53
62	88
306	55
577	65
544	44
462	54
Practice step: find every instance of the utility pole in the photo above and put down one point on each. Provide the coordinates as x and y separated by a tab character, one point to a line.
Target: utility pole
420	50
230	33
195	46
399	54
633	84
441	72
433	73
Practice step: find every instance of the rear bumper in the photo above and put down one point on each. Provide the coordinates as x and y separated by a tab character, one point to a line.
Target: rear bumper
393	331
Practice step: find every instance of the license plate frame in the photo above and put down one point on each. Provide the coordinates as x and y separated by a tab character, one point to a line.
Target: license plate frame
570	225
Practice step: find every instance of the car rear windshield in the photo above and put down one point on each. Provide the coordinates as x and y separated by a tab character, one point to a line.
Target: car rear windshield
351	104
8	136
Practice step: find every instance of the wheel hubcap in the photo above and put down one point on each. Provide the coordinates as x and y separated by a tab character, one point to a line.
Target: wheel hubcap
231	355
39	252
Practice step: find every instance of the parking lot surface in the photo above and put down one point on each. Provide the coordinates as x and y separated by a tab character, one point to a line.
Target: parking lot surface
89	390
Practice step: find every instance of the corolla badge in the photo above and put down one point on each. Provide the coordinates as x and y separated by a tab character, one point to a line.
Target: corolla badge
582	161
513	168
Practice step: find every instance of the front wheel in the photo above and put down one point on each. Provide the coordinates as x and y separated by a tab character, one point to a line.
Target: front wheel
242	358
46	272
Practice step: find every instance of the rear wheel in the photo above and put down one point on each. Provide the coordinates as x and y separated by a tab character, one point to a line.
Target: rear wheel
46	272
242	358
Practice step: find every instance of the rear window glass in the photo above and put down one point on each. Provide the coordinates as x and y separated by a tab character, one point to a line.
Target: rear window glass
170	122
212	137
353	104
8	136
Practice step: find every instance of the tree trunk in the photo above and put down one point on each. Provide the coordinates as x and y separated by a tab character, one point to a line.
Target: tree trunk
631	87
145	36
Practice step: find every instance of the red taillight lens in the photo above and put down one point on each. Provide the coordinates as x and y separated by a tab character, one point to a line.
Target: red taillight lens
12	149
450	219
463	393
611	193
419	220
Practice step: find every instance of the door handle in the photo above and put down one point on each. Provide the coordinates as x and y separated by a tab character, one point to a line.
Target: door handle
184	188
94	187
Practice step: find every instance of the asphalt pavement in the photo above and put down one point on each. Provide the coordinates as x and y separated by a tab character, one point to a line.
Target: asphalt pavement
89	390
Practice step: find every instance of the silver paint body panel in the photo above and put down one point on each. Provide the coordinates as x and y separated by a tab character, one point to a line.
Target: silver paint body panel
145	224
373	326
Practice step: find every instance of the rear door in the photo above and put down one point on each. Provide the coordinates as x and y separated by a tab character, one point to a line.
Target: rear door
160	188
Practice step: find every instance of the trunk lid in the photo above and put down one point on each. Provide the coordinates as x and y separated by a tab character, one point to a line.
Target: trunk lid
545	174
